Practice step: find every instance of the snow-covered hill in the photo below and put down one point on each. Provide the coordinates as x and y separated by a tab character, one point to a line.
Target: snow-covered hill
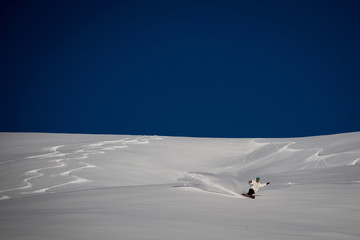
64	186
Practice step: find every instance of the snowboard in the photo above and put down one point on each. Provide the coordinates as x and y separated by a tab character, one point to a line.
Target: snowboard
248	196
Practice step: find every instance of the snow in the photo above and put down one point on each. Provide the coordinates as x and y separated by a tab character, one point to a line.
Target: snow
68	186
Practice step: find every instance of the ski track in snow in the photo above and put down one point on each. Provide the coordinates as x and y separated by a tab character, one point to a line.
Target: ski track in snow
63	159
195	179
316	156
355	162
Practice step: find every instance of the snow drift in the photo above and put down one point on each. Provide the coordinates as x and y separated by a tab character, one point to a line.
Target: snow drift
63	186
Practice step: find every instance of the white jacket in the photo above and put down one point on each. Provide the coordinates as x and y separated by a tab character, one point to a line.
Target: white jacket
256	185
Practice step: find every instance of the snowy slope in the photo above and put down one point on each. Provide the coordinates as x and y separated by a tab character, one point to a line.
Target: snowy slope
63	186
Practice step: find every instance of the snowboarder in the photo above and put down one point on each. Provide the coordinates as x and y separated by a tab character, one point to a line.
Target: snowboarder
254	187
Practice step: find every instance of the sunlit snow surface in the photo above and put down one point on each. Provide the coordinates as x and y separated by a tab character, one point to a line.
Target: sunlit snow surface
63	186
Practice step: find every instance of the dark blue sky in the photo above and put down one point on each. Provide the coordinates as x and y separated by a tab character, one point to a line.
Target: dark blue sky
181	68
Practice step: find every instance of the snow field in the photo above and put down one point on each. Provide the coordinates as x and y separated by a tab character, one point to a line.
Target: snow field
63	186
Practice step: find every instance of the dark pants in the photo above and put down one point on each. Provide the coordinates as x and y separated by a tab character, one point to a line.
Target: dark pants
251	192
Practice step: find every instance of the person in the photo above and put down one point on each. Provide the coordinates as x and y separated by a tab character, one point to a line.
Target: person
254	186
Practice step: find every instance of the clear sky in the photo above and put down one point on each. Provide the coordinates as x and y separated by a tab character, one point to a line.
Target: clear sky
181	68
